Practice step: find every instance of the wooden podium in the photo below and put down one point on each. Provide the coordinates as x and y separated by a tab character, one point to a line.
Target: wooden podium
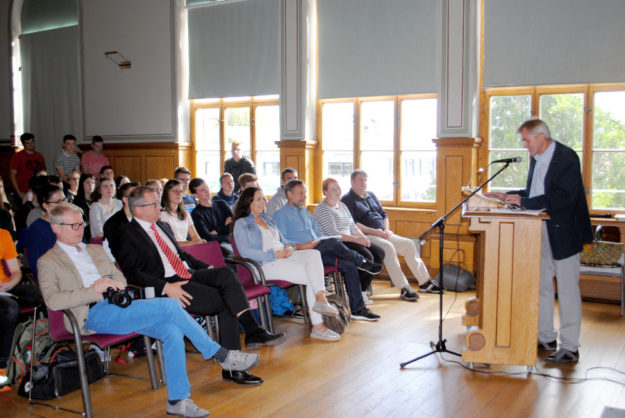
505	310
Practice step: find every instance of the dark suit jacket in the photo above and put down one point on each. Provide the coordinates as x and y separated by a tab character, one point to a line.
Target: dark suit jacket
565	201
139	258
110	229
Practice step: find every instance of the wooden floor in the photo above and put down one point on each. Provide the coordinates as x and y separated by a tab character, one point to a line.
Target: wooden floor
360	375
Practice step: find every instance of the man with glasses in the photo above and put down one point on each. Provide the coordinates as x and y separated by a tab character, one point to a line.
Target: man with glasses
74	276
149	256
554	183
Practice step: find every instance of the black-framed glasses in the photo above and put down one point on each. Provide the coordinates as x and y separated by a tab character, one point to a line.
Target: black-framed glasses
75	227
58	201
154	204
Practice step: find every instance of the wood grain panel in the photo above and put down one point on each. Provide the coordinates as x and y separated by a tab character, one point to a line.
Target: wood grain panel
131	167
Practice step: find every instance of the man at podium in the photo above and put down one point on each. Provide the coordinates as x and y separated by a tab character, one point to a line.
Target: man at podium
555	184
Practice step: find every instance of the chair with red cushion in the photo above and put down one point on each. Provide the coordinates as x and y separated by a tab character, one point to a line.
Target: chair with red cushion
283	284
104	341
254	287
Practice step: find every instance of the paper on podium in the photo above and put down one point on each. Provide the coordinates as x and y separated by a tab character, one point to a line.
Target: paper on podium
481	202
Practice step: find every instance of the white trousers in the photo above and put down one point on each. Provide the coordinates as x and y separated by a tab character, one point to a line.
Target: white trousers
407	248
569	298
303	267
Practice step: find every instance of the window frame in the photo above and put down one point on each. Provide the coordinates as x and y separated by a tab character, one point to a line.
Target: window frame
357	151
535	92
222	104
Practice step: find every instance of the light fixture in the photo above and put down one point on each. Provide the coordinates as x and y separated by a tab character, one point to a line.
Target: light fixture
122	62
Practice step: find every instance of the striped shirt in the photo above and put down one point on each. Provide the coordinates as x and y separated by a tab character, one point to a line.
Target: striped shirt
332	221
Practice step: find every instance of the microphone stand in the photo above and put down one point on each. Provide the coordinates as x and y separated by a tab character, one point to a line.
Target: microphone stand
440	346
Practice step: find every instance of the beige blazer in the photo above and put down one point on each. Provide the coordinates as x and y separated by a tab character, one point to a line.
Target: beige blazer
62	286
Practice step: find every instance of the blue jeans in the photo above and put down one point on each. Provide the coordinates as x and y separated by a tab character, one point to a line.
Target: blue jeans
163	319
334	251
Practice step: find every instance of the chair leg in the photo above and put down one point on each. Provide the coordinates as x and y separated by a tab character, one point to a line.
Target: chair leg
82	371
161	362
302	293
209	327
150	358
266	307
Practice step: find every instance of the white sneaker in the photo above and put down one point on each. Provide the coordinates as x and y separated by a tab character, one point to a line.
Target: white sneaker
327	335
366	299
239	361
186	408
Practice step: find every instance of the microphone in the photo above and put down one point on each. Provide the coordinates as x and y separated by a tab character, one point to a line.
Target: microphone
508	160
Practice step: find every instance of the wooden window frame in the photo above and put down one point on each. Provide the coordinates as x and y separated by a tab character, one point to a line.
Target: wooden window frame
357	151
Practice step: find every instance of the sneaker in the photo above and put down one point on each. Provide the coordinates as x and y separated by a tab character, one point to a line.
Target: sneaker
327	335
4	381
366	299
326	309
186	408
239	360
562	357
369	267
364	315
429	287
549	346
408	294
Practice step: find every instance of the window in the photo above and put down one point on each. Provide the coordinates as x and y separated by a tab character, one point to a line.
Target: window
253	121
390	138
589	118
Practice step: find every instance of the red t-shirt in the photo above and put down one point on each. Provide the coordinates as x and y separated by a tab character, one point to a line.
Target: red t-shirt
26	165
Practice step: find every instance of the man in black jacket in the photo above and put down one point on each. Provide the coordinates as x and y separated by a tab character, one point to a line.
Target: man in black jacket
555	184
149	256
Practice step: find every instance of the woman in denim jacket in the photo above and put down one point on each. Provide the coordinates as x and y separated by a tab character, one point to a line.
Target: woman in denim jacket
257	237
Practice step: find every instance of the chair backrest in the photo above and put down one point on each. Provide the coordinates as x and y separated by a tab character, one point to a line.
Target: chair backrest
96	240
245	276
209	252
57	327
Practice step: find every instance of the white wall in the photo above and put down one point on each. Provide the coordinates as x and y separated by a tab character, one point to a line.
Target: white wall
5	71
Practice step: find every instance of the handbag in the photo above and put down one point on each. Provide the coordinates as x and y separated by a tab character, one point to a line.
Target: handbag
455	278
601	252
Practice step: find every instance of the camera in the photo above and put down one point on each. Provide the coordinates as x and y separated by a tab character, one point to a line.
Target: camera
123	298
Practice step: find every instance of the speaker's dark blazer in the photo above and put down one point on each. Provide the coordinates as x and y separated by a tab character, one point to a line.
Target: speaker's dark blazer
139	258
565	202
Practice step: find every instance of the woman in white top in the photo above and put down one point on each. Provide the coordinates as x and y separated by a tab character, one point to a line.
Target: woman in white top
257	237
103	206
333	218
175	214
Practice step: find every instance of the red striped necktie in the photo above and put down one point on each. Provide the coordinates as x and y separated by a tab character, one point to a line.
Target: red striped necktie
173	259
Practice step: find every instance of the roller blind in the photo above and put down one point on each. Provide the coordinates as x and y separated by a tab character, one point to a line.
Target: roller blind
535	42
374	47
234	49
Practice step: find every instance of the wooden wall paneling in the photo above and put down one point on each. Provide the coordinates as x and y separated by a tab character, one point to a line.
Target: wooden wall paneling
300	154
130	166
458	249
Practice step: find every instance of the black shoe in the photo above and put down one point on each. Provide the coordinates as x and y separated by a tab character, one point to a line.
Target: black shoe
429	287
364	315
562	357
369	267
548	346
263	337
408	294
241	378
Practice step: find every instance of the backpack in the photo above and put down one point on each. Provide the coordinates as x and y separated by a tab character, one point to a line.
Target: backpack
44	351
339	324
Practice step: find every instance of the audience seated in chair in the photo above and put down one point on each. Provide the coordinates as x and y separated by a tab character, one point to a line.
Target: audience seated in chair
212	218
175	214
150	256
39	238
104	205
257	237
74	276
297	225
371	218
333	219
279	199
119	218
183	175
226	193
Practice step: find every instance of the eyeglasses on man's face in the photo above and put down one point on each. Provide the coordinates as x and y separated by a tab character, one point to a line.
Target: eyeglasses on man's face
75	226
57	202
153	204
